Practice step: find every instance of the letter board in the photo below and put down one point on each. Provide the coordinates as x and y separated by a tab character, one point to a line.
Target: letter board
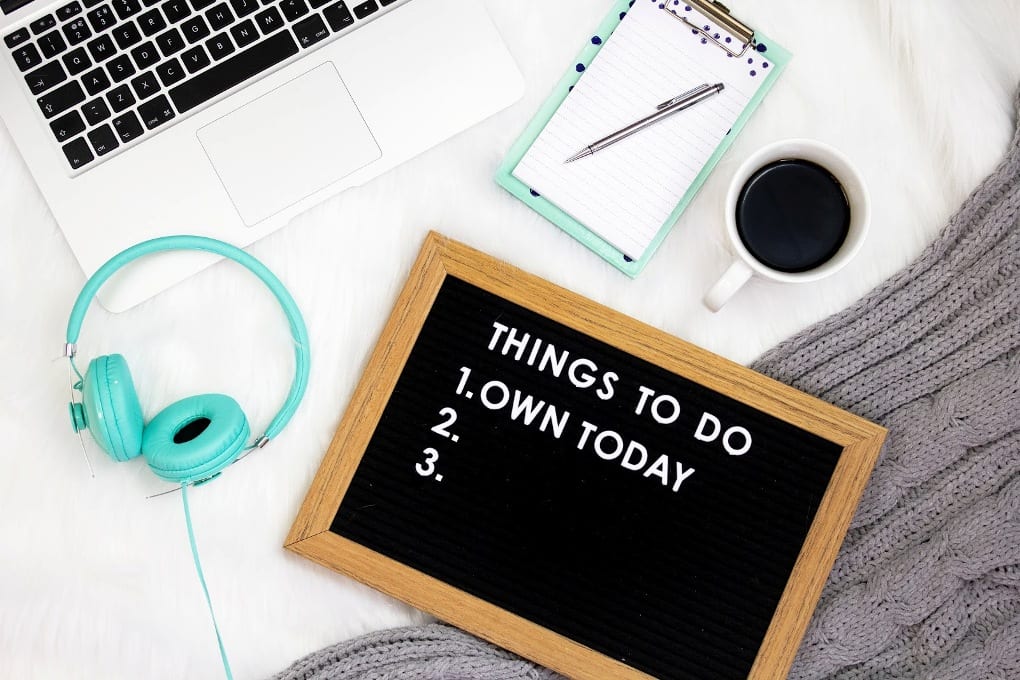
580	488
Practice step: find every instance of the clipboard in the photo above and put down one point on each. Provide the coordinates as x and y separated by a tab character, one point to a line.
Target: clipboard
708	20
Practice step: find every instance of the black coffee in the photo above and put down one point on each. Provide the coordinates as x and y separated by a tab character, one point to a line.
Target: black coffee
792	215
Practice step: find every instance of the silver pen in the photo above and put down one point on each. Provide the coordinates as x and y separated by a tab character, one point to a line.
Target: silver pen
666	108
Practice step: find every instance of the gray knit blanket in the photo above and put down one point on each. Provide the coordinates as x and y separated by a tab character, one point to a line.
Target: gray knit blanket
927	583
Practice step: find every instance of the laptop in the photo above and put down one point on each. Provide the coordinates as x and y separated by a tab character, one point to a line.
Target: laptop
225	118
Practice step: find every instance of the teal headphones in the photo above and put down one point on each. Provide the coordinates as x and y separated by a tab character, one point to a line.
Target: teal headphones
193	439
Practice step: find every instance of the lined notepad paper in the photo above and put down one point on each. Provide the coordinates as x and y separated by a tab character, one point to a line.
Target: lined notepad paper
626	193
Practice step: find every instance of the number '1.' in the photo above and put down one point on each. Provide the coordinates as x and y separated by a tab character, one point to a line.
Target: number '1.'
465	374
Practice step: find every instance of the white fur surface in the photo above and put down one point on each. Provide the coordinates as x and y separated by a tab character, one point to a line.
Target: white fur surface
97	582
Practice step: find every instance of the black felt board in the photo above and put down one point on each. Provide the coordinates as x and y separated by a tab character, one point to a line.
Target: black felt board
676	583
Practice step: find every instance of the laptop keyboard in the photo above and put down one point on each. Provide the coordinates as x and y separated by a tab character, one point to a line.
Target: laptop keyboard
106	73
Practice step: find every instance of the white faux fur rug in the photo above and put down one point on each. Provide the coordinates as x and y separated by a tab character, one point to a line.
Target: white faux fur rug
96	581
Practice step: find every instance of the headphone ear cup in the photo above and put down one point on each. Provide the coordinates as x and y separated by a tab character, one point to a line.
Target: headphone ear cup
111	408
195	438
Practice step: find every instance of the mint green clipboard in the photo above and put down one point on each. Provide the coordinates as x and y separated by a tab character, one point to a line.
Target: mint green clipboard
778	59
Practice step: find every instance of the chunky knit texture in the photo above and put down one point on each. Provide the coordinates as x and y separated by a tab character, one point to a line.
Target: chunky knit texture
927	584
432	652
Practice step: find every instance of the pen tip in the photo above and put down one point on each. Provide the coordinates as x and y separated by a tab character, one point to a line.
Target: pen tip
576	156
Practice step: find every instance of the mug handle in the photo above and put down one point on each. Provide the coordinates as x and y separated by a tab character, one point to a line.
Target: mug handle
727	286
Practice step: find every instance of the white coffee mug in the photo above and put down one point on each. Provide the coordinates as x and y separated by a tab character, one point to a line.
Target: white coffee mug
745	264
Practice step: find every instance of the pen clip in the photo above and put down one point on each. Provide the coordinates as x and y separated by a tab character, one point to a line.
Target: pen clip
689	93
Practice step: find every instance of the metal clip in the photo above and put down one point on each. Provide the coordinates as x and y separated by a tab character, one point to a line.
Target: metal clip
261	442
70	349
720	14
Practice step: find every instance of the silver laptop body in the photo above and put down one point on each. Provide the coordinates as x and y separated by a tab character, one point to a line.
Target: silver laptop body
143	118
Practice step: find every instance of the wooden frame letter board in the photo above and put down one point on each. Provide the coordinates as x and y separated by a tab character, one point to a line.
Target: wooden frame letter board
580	488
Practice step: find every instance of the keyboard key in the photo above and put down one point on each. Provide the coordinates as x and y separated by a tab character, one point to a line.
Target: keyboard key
95	81
42	24
12	6
145	56
76	61
52	44
233	71
103	140
127	126
26	57
175	10
219	46
311	30
195	59
102	48
156	111
91	3
170	42
386	2
96	111
244	33
120	68
67	126
126	8
78	153
127	35
199	5
120	98
152	22
316	4
194	29
364	9
269	20
243	8
101	18
293	9
61	99
145	85
14	39
69	10
338	16
170	72
77	31
45	77
219	17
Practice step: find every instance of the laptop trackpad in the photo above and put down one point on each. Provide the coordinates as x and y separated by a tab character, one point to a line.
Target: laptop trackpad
289	143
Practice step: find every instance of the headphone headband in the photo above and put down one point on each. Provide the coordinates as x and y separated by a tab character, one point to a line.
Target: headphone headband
158	245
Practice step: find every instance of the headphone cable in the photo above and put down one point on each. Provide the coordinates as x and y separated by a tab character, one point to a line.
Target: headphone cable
201	579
